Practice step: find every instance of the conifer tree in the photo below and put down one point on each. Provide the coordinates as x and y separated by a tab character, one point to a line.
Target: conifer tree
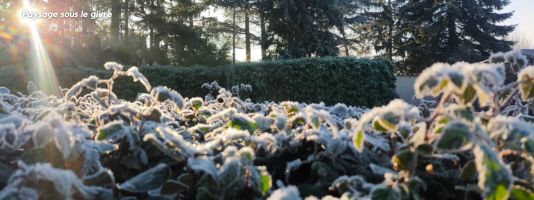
450	31
303	28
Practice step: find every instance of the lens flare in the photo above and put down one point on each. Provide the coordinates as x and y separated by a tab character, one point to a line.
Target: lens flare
42	72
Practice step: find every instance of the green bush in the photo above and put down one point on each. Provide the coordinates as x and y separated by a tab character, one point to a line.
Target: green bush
363	82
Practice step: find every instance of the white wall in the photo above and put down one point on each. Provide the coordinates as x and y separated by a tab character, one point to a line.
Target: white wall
405	88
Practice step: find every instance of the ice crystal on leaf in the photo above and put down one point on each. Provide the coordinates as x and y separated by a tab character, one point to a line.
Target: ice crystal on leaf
113	66
137	76
287	193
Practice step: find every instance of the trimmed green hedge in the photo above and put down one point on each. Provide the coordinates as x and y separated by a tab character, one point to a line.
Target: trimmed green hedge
361	82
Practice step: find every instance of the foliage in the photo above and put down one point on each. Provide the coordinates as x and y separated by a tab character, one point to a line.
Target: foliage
361	82
450	31
88	143
304	28
473	121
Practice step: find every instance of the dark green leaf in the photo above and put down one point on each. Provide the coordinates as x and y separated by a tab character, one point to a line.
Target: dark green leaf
405	160
385	193
520	193
456	136
148	180
469	172
494	178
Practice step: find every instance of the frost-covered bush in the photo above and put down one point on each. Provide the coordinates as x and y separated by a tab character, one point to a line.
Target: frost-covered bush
89	143
480	133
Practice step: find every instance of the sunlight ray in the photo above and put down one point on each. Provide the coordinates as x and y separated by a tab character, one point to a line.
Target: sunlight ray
42	70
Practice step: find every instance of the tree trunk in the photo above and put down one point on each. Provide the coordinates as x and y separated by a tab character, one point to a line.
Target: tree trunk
247	31
115	23
389	47
127	22
263	40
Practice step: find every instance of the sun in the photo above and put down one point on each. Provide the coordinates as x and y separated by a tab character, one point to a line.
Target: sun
42	72
28	14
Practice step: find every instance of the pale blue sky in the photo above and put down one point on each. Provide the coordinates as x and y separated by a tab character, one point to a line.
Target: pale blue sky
523	17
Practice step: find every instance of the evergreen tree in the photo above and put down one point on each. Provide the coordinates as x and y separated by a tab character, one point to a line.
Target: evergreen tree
450	31
369	26
303	28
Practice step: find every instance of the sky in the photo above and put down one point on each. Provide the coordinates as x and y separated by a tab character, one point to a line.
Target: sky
523	17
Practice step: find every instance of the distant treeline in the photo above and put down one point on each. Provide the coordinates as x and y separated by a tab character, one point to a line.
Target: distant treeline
413	33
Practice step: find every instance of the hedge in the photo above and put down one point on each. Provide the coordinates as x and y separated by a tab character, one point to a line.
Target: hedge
361	82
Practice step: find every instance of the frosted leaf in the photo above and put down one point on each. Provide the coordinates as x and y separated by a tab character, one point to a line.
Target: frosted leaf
214	86
113	131
340	110
380	170
526	83
527	73
263	123
385	119
512	133
137	76
145	98
247	155
336	146
31	87
175	138
42	135
196	102
287	193
14	119
4	90
489	76
113	66
65	182
293	165
8	137
148	180
495	179
204	165
76	89
230	152
432	80
163	93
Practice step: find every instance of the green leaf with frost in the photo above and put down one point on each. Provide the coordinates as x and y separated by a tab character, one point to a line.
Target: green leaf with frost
196	103
385	193
389	121
456	137
266	180
526	83
457	79
469	94
405	160
469	171
359	140
495	179
148	180
520	193
242	123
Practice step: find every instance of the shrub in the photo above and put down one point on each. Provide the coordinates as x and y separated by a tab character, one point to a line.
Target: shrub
362	82
88	143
